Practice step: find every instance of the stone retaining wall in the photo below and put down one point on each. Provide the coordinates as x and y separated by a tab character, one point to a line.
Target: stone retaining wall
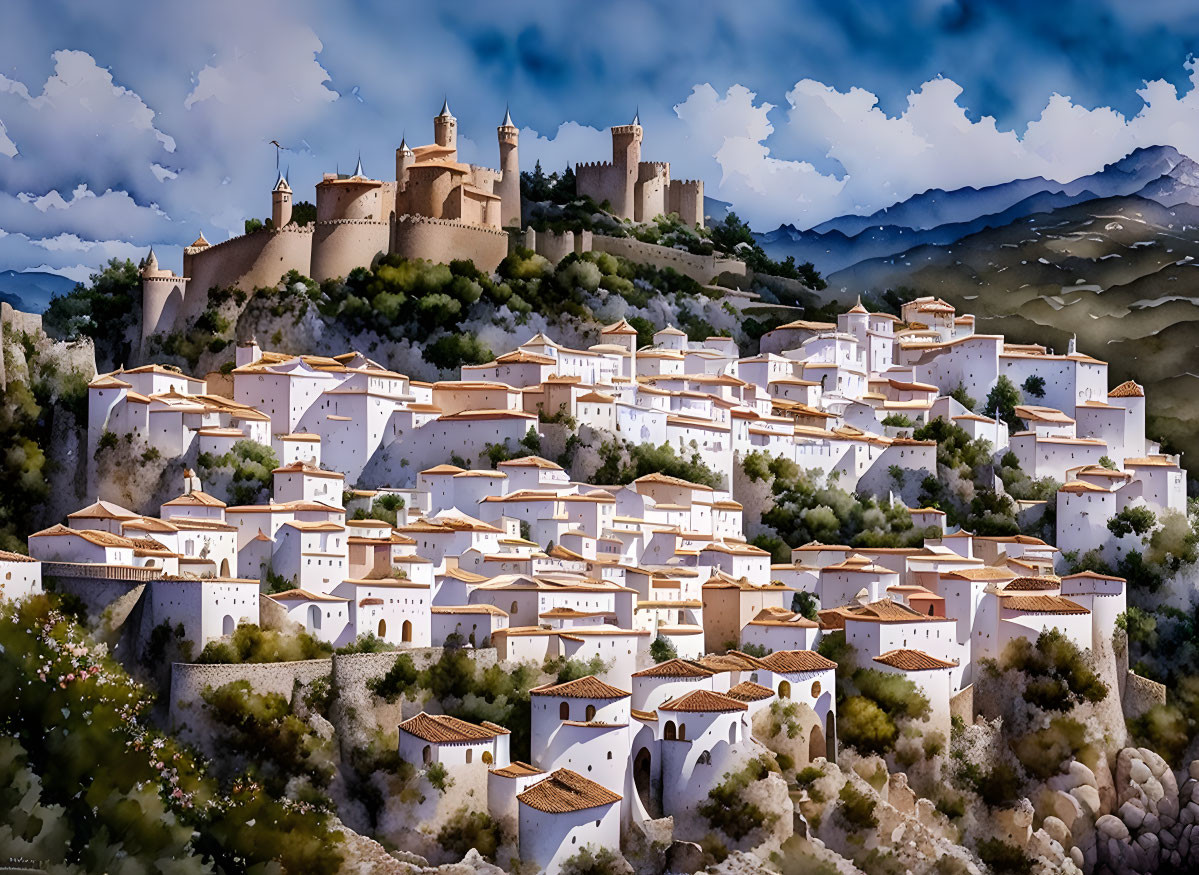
1141	694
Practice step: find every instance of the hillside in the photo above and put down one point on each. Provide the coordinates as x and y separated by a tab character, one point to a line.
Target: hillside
940	217
1118	272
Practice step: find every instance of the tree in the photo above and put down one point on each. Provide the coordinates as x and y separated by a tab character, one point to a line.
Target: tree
961	396
1138	520
303	212
1034	386
1002	401
661	650
805	603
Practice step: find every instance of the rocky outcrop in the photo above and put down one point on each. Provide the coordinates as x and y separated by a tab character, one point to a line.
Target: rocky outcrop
1156	823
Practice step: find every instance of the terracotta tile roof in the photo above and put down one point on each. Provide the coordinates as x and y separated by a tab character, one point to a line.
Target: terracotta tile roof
441	729
1033	584
1095	575
304	595
195	498
589	687
517	769
790	661
1043	604
671	481
675	668
703	702
644	715
734	660
1127	389
912	660
565	791
469	609
748	691
6	556
882	611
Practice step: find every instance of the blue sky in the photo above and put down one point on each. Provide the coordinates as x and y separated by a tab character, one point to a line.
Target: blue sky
129	123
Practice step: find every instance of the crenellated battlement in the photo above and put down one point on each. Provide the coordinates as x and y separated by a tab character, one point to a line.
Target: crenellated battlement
593	165
412	219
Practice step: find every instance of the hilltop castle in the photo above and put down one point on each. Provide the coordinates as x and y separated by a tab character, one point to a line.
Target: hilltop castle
437	208
636	189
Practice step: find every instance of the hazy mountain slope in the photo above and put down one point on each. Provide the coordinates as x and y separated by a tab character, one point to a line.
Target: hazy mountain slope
32	291
1120	273
941	217
939	207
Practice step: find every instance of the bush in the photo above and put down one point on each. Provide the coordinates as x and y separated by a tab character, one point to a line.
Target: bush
865	726
398	681
471	829
367	643
1137	521
249	643
856	808
725	808
1058	675
1004	858
598	861
661	650
438	777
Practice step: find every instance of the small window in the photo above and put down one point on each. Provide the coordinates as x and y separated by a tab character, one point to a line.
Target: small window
815	689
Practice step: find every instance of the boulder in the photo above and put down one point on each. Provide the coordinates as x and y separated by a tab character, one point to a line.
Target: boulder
684	857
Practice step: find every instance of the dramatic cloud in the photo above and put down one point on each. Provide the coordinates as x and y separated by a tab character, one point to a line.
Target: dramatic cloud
148	124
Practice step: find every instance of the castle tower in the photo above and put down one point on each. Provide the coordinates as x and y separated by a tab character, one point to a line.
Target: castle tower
508	187
162	297
281	203
445	129
404	159
626	156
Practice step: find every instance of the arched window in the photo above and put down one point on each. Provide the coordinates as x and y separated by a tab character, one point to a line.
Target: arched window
382	628
682	732
564	711
406	631
488	759
815	689
314	617
784	689
427	754
512	608
470	755
668	732
590	713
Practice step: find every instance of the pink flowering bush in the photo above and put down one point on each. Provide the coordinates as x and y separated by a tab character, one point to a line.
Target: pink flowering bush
86	780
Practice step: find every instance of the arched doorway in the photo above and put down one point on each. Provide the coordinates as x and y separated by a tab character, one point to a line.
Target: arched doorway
669	732
564	711
224	567
314	617
427	754
227	625
643	781
816	746
682	732
406	632
589	714
382	628
830	737
784	689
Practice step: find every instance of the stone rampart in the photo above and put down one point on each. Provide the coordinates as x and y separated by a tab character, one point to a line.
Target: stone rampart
1141	694
444	240
701	268
189	680
248	262
341	245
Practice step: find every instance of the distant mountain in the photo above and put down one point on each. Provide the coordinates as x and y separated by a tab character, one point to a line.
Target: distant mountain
940	217
1120	273
715	210
31	291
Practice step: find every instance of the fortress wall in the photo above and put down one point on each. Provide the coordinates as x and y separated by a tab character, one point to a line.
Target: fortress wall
651	193
686	197
1141	694
162	303
601	181
701	268
353	671
20	321
551	245
443	241
339	247
345	199
248	262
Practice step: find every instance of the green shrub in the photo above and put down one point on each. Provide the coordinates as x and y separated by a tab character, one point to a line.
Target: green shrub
594	861
249	643
661	650
438	777
1004	858
726	810
856	808
470	829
